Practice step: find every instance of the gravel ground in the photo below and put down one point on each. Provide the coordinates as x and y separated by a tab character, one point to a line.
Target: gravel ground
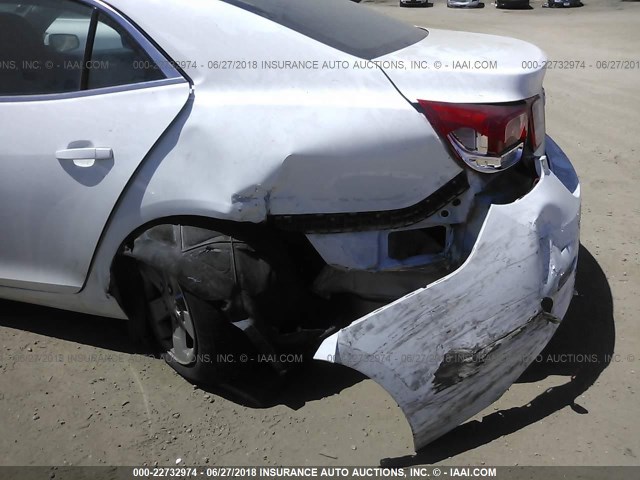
74	391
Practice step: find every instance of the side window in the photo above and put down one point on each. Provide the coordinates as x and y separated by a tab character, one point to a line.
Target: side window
60	46
41	43
117	59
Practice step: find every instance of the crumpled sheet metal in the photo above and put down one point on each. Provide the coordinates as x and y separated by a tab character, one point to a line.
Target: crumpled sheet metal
448	350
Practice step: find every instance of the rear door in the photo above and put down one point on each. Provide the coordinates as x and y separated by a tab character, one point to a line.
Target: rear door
83	99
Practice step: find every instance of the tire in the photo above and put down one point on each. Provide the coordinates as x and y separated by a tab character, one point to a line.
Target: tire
191	334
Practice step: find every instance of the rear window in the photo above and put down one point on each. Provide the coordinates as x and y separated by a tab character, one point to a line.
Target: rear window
341	24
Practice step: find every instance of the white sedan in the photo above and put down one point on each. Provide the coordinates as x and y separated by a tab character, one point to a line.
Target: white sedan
257	183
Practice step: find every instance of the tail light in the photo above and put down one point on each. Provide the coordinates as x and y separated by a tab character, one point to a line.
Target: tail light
488	138
538	130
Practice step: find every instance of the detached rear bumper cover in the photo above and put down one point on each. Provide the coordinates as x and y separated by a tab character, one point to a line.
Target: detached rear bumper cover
448	350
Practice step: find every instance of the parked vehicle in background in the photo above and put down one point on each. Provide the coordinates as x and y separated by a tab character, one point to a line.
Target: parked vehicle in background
465	4
562	3
414	3
513	4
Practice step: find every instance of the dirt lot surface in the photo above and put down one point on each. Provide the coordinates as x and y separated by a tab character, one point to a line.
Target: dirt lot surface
74	391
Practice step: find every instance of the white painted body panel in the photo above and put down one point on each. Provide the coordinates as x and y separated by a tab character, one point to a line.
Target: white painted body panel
258	141
286	141
490	306
250	142
54	210
463	74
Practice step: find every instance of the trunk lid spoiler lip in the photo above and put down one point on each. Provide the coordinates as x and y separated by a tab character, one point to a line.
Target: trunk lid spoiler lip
462	67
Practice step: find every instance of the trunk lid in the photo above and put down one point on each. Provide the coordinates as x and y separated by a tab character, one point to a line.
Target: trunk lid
462	67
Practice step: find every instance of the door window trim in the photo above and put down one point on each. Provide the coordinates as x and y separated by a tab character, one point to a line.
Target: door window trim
164	64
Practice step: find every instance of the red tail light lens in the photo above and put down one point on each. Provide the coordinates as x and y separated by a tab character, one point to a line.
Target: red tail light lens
488	138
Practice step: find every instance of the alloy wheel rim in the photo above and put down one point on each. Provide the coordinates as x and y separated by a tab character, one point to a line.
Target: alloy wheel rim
173	321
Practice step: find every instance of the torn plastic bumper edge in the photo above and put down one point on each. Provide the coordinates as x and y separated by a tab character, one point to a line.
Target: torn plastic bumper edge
446	351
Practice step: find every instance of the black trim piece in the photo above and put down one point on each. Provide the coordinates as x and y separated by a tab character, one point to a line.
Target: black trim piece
367	221
88	49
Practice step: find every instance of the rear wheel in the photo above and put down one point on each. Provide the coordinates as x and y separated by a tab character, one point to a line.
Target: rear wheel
193	336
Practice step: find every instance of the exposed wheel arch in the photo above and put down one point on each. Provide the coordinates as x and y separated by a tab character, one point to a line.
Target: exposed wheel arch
244	271
273	245
125	282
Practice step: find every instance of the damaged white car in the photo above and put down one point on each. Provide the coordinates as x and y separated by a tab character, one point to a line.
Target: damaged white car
254	181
